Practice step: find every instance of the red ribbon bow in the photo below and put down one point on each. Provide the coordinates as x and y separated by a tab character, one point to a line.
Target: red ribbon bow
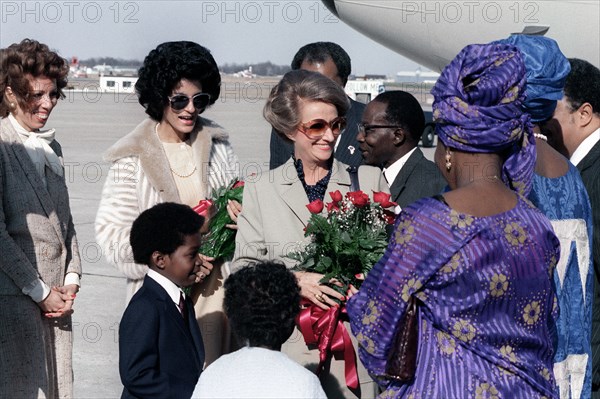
324	328
203	207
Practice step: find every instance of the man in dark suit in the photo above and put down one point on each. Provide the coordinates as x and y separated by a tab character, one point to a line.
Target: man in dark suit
575	132
331	60
388	136
161	353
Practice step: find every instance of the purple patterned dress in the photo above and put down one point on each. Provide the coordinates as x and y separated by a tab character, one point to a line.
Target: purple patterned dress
486	303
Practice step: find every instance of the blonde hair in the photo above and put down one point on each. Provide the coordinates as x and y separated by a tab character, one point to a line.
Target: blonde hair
282	109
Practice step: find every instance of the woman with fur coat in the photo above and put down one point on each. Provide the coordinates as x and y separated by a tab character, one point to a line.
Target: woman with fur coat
174	156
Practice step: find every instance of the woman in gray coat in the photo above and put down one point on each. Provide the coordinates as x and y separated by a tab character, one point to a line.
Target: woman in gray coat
40	265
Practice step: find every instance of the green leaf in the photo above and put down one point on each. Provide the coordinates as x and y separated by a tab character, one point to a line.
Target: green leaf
345	237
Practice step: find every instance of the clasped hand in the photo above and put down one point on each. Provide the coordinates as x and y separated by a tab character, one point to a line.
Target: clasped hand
59	303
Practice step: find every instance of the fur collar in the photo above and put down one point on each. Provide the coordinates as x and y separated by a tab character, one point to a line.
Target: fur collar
143	142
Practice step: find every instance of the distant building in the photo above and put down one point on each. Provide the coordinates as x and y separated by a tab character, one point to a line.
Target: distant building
417	76
118	84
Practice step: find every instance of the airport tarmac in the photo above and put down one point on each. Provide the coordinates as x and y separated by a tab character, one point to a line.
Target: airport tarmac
86	124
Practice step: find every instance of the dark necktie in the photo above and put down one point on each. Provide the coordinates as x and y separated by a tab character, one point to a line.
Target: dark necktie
182	307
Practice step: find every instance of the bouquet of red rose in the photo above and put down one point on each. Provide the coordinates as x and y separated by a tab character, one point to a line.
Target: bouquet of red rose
346	242
220	239
348	239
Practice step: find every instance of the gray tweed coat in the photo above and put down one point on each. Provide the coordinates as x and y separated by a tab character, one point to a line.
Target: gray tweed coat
37	240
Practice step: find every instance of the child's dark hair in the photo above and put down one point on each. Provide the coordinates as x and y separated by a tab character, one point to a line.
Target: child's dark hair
262	302
162	228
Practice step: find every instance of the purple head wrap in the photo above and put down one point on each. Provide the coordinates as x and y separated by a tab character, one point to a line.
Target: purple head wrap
546	72
477	108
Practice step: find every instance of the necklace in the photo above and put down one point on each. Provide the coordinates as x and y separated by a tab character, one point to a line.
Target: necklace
181	175
540	136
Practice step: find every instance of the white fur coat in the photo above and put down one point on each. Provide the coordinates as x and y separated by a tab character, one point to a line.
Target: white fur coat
140	178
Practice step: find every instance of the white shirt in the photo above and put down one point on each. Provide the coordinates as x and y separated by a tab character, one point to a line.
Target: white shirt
585	147
253	372
393	170
172	289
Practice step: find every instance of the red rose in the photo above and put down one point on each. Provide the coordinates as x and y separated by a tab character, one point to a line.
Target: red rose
390	217
383	199
203	207
358	198
332	206
239	183
316	206
336	196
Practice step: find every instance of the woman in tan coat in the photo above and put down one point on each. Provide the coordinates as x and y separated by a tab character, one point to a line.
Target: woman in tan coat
309	109
174	156
39	263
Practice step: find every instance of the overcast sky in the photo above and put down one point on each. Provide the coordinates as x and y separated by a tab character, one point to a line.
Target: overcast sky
234	31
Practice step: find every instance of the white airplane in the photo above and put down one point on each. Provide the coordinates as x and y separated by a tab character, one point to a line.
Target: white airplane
433	32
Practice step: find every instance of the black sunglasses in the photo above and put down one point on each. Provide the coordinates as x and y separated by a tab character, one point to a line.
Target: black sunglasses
180	101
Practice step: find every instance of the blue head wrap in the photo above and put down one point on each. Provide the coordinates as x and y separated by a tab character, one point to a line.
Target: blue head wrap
546	71
478	108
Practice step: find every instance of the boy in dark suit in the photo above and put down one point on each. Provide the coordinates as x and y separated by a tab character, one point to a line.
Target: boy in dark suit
160	346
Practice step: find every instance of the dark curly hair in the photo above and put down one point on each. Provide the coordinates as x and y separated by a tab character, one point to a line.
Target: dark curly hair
165	66
403	109
321	52
162	228
262	302
33	58
583	85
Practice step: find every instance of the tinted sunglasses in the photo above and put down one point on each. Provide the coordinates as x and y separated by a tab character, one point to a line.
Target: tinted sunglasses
180	101
316	128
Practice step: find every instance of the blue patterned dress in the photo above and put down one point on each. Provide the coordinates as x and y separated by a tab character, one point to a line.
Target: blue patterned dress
565	202
487	307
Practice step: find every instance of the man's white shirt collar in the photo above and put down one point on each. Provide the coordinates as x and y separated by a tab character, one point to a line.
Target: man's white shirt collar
585	147
392	171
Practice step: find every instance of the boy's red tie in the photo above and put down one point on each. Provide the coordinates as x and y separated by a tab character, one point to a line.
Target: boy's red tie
182	307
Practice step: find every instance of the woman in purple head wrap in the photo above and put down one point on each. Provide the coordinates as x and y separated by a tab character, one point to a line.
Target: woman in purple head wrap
478	259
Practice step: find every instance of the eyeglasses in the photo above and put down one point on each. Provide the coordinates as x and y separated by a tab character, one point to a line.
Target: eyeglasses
366	128
316	128
180	101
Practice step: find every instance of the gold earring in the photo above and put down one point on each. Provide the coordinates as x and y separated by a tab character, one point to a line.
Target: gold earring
448	161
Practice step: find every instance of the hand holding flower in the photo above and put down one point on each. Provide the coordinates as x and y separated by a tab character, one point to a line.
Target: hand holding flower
234	208
312	289
220	240
206	267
